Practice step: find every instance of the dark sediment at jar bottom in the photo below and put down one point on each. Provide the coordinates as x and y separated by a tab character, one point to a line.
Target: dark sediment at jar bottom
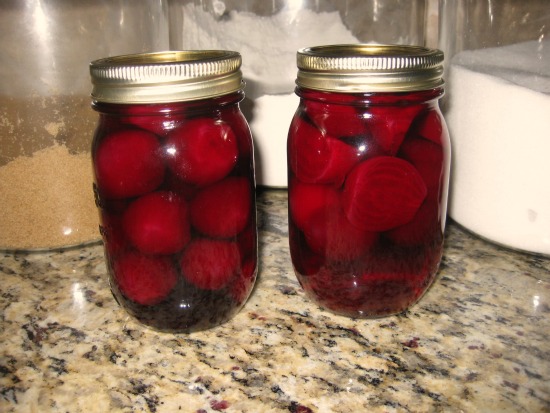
375	287
363	298
187	309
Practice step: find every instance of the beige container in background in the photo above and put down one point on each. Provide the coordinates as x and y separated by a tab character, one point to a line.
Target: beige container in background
46	123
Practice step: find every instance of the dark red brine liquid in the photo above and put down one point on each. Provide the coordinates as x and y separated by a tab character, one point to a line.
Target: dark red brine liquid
175	187
368	176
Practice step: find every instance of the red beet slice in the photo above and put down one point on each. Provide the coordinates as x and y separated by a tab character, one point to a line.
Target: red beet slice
128	163
382	193
144	279
389	125
202	151
330	234
239	124
335	120
158	119
210	264
430	126
173	184
427	158
305	199
423	228
157	223
304	261
317	158
159	125
223	209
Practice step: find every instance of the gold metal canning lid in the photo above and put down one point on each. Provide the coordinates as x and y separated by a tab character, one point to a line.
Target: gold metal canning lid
170	76
365	68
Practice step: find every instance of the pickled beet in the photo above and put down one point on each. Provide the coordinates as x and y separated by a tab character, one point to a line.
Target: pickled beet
202	151
159	121
330	234
382	193
223	209
145	279
122	173
429	126
336	120
158	125
390	124
428	159
367	244
318	158
305	199
210	264
425	227
157	223
175	186
239	125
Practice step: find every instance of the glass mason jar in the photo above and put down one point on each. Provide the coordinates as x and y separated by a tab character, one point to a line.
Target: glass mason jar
368	162
174	184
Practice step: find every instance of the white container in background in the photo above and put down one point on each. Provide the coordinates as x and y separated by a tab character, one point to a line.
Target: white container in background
498	112
268	35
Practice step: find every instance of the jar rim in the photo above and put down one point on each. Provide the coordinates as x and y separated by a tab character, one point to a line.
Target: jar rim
167	76
369	68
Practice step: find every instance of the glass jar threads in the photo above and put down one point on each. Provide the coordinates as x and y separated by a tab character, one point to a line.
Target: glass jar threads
368	161
174	184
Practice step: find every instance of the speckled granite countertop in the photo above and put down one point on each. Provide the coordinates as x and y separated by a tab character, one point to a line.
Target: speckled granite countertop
478	341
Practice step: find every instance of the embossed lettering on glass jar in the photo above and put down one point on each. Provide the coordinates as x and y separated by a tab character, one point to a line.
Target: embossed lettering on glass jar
368	161
174	184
